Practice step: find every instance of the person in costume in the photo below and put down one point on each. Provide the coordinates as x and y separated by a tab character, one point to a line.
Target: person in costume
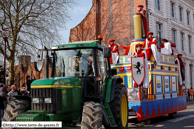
166	47
181	69
150	45
139	52
127	49
142	12
114	51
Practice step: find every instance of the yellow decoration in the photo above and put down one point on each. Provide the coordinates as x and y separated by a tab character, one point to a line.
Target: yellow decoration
137	26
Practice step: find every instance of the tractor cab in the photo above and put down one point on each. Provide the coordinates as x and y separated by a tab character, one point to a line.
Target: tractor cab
85	62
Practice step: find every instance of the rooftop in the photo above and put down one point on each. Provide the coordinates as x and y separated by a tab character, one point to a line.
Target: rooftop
79	44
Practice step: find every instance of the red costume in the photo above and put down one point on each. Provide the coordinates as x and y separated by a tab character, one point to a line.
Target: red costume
126	49
139	54
114	49
144	19
147	44
181	63
172	45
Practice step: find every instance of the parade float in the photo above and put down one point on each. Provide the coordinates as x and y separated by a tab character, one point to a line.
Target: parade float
164	95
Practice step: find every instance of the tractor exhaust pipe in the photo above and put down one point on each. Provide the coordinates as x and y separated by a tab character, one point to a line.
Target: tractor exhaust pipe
46	64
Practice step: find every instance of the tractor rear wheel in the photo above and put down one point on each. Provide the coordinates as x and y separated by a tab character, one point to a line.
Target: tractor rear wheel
92	116
14	109
119	107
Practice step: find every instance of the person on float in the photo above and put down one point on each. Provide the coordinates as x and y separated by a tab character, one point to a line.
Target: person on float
114	51
181	69
166	47
127	49
142	12
150	45
139	52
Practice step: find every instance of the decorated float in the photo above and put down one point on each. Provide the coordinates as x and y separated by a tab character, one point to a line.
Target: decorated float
164	95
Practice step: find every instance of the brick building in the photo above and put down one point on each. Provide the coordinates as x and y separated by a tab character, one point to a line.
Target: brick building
26	67
170	19
110	18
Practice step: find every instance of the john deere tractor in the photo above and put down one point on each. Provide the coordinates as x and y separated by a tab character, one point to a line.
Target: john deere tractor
82	89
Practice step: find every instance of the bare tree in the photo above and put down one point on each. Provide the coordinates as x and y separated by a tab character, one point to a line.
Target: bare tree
33	23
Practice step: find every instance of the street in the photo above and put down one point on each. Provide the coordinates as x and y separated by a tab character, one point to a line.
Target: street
184	120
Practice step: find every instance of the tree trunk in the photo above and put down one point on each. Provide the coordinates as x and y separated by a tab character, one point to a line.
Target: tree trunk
11	70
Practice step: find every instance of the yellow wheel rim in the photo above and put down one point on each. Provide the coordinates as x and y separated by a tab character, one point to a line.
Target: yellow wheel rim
124	110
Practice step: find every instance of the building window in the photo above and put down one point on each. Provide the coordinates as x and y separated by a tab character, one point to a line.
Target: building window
182	41
193	20
189	38
159	32
181	13
188	18
172	10
191	74
157	4
174	36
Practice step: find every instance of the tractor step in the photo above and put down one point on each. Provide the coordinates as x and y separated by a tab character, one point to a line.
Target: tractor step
109	115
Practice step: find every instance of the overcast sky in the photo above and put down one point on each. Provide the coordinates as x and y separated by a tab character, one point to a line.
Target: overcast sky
78	13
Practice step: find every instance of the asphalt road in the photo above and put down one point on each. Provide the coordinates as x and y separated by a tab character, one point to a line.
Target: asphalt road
183	120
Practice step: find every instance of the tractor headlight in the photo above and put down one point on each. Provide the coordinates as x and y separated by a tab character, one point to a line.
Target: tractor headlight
35	100
47	100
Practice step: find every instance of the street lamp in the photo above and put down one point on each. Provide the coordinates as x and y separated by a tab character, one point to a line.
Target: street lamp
5	35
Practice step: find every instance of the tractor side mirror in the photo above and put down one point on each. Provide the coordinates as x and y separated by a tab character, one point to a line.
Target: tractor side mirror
114	72
107	52
40	55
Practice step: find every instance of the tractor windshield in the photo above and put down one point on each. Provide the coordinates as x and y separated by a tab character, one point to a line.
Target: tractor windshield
74	63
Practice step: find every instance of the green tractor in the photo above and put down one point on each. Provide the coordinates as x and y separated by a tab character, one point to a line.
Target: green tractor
82	89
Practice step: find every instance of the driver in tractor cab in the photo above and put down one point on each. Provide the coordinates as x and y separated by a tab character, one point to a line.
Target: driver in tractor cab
87	73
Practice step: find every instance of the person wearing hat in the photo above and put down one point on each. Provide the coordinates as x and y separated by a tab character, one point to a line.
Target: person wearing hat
148	42
166	47
139	52
150	45
181	69
127	49
114	51
142	12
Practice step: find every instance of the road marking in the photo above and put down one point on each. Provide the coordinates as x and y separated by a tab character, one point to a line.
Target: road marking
181	118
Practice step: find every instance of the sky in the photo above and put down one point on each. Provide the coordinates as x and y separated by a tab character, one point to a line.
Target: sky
77	13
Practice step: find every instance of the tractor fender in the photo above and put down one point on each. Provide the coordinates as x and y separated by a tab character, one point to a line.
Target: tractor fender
23	97
114	82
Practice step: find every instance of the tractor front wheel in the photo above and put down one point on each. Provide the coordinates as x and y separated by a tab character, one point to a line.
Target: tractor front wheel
119	106
14	109
92	116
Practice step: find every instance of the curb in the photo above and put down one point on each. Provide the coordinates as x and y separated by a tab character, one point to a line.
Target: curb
192	102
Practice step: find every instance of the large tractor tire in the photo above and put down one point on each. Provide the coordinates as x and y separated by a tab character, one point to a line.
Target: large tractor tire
14	109
92	116
119	107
